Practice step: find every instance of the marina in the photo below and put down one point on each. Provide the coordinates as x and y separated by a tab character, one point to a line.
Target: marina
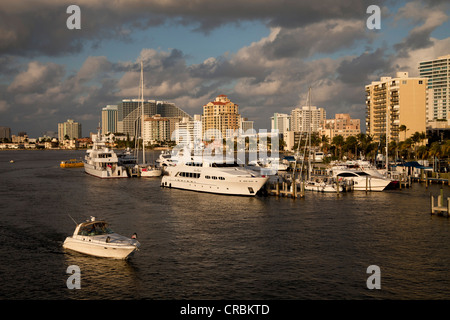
207	246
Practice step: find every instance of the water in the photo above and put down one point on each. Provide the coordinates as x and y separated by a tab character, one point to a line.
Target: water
198	246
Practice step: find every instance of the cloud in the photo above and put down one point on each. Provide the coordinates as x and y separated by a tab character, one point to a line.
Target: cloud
37	77
30	28
428	18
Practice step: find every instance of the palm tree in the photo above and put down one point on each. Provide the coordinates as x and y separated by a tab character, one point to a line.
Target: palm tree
404	129
338	141
351	145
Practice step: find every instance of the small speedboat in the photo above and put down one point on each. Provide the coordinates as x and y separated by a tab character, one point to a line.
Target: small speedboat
95	238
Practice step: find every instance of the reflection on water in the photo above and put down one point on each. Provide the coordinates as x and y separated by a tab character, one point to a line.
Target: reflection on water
102	278
206	246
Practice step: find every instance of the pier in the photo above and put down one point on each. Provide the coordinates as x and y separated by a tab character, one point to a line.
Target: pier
438	208
285	188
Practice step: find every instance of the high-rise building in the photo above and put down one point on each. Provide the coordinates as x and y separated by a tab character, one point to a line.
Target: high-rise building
342	125
220	115
437	71
109	119
129	112
189	131
246	125
395	102
70	128
156	129
5	133
307	119
281	122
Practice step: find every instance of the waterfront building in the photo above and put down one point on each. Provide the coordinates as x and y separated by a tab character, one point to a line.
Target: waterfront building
69	128
395	102
307	119
109	119
437	71
222	116
342	125
281	122
189	131
156	129
246	125
5	134
129	112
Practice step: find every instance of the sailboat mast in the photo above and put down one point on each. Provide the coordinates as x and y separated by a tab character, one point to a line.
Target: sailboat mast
309	133
142	112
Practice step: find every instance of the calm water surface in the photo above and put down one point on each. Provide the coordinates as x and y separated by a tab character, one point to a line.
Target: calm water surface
203	246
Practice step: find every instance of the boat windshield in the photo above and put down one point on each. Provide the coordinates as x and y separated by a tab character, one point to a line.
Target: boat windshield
95	229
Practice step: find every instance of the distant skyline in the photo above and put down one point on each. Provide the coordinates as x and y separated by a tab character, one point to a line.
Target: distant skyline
264	56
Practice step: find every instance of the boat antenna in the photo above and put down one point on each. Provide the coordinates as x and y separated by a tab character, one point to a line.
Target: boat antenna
72	219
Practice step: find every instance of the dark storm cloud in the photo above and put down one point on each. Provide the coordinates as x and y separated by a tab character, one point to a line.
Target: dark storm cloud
360	69
30	28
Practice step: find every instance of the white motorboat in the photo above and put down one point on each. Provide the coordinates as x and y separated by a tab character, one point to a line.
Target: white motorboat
95	238
101	161
361	180
205	176
167	159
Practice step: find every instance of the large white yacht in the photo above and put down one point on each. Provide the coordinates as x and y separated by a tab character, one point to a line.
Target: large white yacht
101	161
208	176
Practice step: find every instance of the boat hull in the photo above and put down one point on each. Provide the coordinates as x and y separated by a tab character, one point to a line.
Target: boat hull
150	173
250	188
371	184
119	172
99	249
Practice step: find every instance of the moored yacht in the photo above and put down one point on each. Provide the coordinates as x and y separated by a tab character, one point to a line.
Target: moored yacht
101	161
361	180
205	176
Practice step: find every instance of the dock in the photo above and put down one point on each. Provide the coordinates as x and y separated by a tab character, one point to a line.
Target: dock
438	208
285	188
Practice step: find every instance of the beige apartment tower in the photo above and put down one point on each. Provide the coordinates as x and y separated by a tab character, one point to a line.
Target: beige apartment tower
222	115
395	102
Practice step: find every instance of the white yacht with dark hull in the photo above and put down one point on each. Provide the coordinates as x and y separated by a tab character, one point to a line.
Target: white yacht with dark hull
222	178
101	161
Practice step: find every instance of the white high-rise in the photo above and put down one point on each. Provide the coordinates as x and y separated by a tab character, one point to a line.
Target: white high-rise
438	90
281	122
307	119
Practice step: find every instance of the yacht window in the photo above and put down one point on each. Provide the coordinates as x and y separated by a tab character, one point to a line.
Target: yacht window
225	165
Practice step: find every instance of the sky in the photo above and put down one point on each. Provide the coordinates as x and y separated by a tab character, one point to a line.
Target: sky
263	54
